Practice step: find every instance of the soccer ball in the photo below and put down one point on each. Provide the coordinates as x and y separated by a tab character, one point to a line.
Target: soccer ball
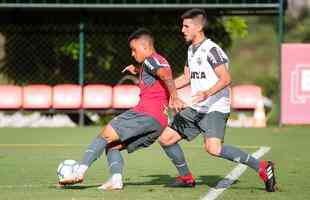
66	169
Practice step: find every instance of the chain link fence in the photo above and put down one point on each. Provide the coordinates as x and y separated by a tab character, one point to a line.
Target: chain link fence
50	53
38	53
85	46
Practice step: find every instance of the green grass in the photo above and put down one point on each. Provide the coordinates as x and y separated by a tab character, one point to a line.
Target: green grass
29	158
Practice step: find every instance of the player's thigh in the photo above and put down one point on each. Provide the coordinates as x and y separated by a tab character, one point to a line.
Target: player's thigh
109	133
115	145
143	141
213	125
131	124
185	124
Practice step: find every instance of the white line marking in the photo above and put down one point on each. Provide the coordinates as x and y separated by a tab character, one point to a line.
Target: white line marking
232	176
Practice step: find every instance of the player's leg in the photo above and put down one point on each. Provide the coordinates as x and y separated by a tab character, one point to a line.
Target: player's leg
114	131
214	147
182	126
214	124
121	128
98	145
140	133
92	153
116	164
169	143
115	159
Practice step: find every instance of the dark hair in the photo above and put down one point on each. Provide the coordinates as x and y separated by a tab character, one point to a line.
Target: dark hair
195	12
192	13
139	33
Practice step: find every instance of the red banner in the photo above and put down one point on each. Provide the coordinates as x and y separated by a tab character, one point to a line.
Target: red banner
295	107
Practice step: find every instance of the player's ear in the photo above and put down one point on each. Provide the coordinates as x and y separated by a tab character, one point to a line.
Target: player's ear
145	45
198	23
200	26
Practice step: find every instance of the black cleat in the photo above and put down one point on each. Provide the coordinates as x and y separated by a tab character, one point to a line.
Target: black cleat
266	173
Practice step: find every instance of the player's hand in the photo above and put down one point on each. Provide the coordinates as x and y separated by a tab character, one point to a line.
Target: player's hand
199	97
130	68
170	112
176	103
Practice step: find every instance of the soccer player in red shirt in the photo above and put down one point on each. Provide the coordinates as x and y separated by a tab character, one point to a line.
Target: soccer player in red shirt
138	127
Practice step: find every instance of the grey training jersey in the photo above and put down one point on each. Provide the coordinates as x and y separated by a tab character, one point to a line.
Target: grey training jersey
202	61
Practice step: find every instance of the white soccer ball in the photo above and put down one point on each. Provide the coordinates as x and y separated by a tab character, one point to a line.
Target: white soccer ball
66	169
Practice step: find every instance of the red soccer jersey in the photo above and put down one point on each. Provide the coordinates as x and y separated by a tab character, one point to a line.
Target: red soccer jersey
154	95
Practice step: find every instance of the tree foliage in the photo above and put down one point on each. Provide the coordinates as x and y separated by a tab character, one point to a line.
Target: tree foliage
298	29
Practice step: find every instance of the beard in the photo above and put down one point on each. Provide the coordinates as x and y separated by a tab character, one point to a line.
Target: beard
187	41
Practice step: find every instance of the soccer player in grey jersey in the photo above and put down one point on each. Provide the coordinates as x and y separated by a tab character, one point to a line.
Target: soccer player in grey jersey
207	73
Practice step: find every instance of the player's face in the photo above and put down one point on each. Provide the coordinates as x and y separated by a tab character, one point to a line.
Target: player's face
189	29
137	50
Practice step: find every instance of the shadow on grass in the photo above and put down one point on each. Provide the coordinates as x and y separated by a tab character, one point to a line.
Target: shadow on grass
221	183
156	179
166	180
214	181
74	187
249	188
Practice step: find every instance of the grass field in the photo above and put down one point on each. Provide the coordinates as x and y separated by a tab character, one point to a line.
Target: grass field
29	158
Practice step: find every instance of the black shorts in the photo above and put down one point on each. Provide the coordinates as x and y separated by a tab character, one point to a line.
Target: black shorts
136	130
189	123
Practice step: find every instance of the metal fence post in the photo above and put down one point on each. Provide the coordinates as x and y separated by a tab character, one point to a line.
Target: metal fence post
81	63
280	40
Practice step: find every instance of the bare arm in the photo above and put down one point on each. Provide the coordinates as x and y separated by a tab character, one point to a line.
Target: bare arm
184	79
132	69
165	74
224	80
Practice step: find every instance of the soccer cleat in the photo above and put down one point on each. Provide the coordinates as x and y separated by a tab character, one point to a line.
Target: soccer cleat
266	173
184	181
114	183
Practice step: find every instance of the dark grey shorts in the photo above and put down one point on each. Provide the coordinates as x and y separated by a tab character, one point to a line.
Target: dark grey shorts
189	123
136	130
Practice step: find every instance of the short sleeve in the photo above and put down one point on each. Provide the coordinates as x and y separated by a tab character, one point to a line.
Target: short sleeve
152	65
215	57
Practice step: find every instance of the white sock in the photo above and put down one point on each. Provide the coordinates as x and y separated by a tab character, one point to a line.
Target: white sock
82	169
117	177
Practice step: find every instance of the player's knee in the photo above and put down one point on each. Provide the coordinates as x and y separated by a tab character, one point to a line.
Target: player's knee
164	141
109	136
169	137
212	149
106	138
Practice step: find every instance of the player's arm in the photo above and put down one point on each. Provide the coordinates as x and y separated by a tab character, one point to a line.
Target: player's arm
219	64
132	69
165	74
184	79
224	80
